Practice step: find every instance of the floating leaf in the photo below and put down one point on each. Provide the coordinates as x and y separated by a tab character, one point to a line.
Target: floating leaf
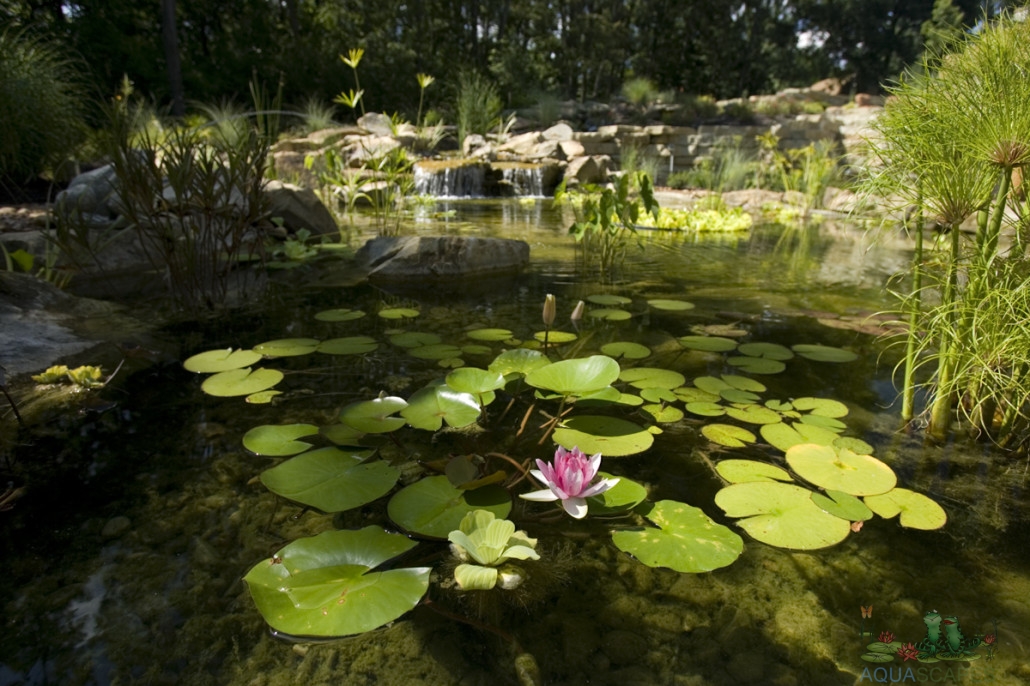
670	305
261	397
754	414
324	586
663	414
824	353
770	351
652	377
434	507
706	409
429	407
728	435
331	480
341	434
625	495
278	440
757	365
855	445
287	347
374	416
735	395
658	395
474	349
828	423
781	515
575	376
785	436
626	349
555	337
414	339
823	407
917	511
742	471
730	330
744	383
608	299
840	469
342	314
214	361
438	351
352	345
711	344
610	436
241	382
779	405
610	314
518	361
686	540
712	384
695	395
878	657
489	334
398	313
478	382
843	505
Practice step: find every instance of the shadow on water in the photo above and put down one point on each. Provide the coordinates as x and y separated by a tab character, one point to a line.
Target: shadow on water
124	559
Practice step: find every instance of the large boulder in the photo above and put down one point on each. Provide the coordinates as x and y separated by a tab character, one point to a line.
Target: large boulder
298	208
434	259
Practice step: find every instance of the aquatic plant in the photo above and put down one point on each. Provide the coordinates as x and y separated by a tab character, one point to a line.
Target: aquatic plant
490	543
570	478
477	104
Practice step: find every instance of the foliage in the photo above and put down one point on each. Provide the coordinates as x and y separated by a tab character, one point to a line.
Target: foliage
43	97
809	170
731	167
477	105
640	91
701	219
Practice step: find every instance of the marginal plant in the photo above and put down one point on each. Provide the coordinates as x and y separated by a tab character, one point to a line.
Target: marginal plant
477	104
353	98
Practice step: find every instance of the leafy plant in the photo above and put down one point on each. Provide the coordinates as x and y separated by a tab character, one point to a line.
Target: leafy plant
640	91
478	105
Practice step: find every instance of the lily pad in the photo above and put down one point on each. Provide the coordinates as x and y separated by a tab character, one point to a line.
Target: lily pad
756	365
237	382
324	585
824	353
610	314
670	305
625	495
214	361
663	414
744	383
712	384
652	377
689	394
711	344
743	471
476	381
575	376
341	434
686	540
769	351
489	334
414	339
855	445
555	337
823	407
843	505
782	515
735	395
436	351
351	345
341	314
518	361
331	480
431	406
754	414
728	435
610	436
607	299
434	507
658	395
398	313
374	416
261	397
278	440
917	511
706	409
626	349
841	469
287	347
828	423
785	436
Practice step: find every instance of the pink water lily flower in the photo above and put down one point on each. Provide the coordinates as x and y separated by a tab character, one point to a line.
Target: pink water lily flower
570	479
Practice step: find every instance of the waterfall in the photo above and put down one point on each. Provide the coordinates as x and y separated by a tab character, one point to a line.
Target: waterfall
450	180
524	180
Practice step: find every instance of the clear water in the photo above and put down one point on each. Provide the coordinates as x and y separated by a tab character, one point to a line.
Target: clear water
124	560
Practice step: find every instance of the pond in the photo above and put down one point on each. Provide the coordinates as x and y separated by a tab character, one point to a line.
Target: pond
124	561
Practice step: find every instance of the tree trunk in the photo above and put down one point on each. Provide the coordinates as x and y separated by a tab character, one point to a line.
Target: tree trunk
172	62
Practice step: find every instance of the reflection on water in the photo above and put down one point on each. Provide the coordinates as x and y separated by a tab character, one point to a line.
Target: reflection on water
124	562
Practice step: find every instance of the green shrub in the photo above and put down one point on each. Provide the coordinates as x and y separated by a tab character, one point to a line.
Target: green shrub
42	101
478	105
640	91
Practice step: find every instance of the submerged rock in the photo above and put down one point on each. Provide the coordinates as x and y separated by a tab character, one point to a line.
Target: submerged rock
418	259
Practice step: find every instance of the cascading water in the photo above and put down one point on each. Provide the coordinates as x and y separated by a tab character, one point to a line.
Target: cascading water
478	179
523	180
449	181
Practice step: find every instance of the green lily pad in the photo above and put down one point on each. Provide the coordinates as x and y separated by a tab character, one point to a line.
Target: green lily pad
652	377
518	361
278	440
779	405
828	423
823	407
712	384
625	495
878	657
341	314
735	395
214	361
626	349
658	395
431	406
331	480
710	344
754	414
744	383
686	540
663	414
241	382
840	469
575	376
261	397
437	351
756	365
398	313
489	334
341	434
475	349
607	299
323	585
414	339
728	435
785	436
287	347
434	507
670	305
843	505
743	471
855	445
824	353
917	511
689	394
476	381
374	416
351	345
704	408
610	436
555	337
770	351
782	515
610	314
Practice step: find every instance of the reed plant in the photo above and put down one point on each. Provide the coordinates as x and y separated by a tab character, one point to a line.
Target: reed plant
477	104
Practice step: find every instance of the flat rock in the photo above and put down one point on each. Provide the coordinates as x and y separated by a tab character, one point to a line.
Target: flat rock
441	258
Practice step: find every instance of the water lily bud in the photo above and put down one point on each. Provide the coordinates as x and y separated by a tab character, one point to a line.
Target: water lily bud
550	309
577	313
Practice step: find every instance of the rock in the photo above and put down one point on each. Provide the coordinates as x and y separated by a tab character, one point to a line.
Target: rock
299	208
91	195
558	132
376	123
572	149
867	100
419	259
523	145
116	527
830	86
592	169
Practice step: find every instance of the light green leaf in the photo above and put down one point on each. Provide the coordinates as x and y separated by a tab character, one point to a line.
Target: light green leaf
728	435
824	353
840	469
742	471
214	361
781	515
374	416
917	511
686	540
575	376
712	344
429	407
352	345
610	436
237	382
278	439
434	507
287	347
331	480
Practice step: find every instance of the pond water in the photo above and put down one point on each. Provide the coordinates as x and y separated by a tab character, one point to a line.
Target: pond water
124	559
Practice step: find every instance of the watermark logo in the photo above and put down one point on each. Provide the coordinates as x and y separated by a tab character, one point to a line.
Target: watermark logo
926	657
